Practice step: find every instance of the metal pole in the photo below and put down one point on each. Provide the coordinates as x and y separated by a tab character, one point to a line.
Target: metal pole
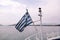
40	22
40	16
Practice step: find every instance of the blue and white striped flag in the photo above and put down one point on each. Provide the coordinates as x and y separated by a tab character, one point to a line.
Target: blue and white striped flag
25	21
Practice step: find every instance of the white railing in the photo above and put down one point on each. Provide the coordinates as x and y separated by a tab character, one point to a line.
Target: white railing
52	35
46	34
34	35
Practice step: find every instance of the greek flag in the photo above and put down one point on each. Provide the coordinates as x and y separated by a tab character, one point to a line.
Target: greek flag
25	21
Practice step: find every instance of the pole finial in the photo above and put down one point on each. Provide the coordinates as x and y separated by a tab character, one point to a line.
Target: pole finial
39	8
27	10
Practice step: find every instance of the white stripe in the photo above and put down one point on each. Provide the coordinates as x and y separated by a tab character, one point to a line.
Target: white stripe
28	19
29	22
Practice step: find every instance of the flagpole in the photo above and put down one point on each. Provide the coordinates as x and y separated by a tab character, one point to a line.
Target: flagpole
33	22
40	22
34	26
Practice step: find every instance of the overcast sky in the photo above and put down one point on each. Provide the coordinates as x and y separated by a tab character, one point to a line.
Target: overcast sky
11	11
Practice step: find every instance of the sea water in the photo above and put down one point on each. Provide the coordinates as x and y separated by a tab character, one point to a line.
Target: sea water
10	32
